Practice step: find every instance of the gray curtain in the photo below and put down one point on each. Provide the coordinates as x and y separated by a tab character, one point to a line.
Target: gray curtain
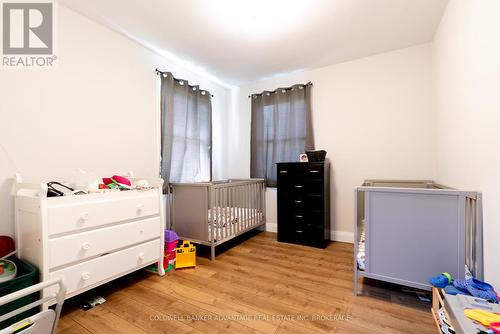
186	131
281	129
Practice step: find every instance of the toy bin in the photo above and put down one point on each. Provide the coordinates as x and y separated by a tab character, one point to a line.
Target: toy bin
186	255
171	239
169	253
27	275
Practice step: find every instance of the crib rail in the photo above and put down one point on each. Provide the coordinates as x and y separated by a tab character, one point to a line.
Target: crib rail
211	213
474	235
236	206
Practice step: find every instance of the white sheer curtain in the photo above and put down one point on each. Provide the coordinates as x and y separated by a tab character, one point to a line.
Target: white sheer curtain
186	131
281	129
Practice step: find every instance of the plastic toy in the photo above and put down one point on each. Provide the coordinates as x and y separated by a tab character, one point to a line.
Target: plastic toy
441	281
186	255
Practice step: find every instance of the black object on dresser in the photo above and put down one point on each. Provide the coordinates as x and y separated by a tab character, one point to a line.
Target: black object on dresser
304	203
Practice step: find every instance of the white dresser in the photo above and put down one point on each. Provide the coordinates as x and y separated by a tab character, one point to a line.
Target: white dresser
89	239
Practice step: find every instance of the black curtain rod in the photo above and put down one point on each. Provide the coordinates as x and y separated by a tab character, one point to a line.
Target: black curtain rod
274	91
158	72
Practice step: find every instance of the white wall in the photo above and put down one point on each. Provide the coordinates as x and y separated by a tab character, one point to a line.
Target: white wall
97	110
466	62
373	117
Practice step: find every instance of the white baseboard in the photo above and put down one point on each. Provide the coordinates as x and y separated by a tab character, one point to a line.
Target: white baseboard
340	236
272	228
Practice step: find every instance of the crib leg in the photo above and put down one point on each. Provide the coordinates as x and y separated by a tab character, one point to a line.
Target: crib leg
355	287
212	253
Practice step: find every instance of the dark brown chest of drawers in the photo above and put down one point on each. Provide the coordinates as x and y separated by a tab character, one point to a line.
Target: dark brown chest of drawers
304	203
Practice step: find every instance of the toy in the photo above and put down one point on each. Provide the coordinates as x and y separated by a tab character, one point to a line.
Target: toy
171	240
484	317
8	270
117	181
186	255
476	288
495	327
441	280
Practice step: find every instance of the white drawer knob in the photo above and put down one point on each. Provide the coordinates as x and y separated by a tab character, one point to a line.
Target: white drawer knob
86	246
139	208
141	256
85	276
84	217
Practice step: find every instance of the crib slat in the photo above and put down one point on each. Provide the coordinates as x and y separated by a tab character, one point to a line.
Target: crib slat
242	207
231	206
238	210
247	206
254	205
221	203
212	215
217	203
221	214
229	215
256	201
234	205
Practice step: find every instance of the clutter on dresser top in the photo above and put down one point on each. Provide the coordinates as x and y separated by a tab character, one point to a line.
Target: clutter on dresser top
88	183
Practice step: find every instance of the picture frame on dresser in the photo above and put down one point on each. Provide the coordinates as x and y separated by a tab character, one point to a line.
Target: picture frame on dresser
90	239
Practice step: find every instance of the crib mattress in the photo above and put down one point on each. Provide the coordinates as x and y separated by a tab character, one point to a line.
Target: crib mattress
360	257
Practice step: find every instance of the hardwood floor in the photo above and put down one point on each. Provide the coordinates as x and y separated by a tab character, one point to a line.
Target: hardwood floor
256	286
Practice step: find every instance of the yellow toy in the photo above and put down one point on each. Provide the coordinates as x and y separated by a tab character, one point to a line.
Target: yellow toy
484	317
186	255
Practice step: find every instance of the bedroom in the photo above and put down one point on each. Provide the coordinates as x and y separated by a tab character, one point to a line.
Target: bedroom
400	90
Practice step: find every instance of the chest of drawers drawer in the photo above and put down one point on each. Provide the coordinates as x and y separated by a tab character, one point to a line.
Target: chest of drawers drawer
89	273
80	246
84	214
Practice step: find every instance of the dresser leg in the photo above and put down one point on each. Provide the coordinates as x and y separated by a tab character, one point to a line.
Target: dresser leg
161	270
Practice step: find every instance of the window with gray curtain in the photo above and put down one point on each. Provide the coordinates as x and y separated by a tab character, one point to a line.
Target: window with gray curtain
186	131
281	129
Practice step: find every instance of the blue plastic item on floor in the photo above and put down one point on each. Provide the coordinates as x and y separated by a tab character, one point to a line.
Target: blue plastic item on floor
441	281
463	284
489	295
451	290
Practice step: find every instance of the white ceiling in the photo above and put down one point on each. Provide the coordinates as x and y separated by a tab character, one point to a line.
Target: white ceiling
241	41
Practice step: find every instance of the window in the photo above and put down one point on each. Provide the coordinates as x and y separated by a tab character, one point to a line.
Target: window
186	130
281	129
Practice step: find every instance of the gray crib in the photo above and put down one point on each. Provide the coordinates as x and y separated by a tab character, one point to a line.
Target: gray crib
408	231
211	213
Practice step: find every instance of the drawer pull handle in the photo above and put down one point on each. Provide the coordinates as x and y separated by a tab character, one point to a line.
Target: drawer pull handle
85	276
139	208
297	186
283	171
86	246
314	171
297	201
141	256
299	216
84	217
299	231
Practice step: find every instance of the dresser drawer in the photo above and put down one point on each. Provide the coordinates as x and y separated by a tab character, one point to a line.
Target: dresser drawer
109	266
300	187
87	213
76	247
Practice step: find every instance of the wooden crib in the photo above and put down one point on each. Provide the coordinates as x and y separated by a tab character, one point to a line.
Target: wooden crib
211	213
